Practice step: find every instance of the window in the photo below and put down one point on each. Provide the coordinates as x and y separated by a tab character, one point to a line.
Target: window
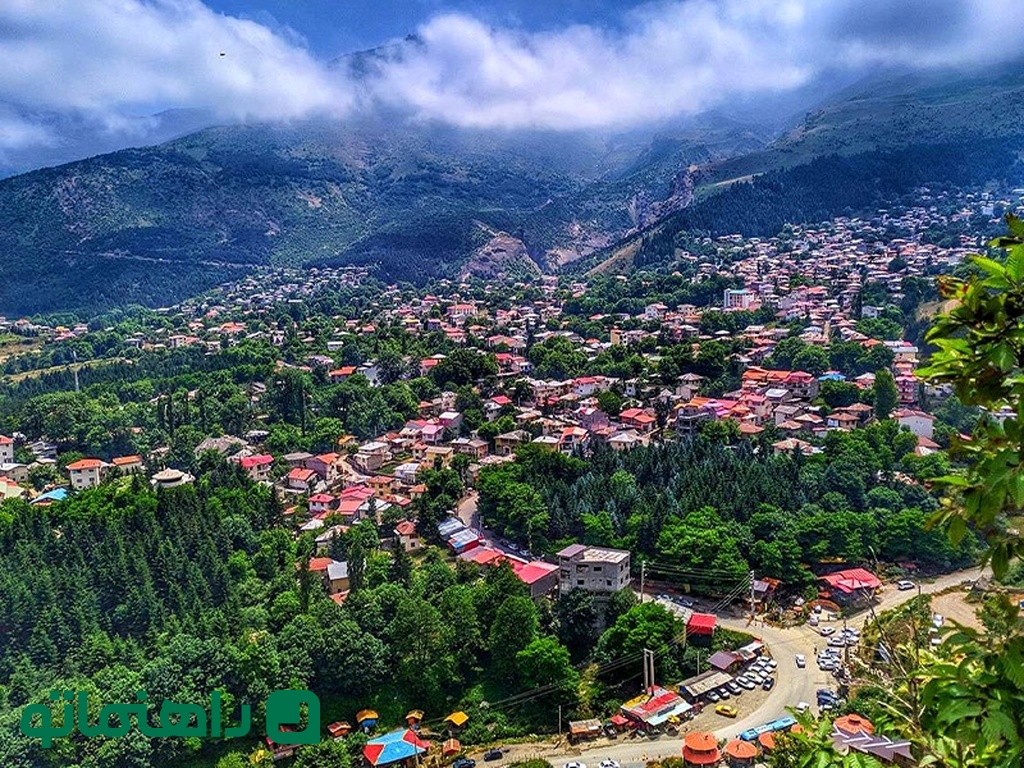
579	582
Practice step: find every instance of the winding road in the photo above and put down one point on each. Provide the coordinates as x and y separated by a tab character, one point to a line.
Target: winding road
793	685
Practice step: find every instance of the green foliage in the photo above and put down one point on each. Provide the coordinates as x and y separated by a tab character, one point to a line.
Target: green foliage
980	352
886	394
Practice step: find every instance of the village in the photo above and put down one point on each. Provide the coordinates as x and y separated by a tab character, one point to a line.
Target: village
807	292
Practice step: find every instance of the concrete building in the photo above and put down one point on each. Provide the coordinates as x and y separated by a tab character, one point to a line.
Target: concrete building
598	570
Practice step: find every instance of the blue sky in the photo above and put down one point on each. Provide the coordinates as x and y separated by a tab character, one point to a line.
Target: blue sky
335	27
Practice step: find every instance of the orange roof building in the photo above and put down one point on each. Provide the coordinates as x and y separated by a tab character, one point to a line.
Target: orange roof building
740	753
701	748
854	724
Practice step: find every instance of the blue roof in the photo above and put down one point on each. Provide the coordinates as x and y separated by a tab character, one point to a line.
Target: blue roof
394	746
57	494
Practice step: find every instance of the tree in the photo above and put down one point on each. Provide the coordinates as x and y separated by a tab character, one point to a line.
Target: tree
546	662
886	395
514	628
577	621
981	353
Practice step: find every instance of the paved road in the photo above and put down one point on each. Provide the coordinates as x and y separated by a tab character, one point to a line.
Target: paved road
793	685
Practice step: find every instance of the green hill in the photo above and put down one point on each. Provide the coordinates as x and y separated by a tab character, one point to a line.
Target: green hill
154	225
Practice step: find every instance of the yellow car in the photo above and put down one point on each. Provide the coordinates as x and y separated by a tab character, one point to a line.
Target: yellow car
725	710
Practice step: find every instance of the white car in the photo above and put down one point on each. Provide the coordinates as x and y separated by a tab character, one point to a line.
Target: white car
938	620
904	585
813	621
802	707
575	764
826	631
609	763
801	660
772	663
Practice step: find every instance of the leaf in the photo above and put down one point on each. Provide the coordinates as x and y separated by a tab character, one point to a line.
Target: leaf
1016	225
991	266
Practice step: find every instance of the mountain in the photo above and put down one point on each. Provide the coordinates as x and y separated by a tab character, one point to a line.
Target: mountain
156	224
889	112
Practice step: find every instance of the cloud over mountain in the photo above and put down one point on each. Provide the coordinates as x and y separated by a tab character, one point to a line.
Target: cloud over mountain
110	61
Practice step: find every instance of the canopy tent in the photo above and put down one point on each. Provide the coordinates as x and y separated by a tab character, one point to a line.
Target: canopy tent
394	747
458	719
367	719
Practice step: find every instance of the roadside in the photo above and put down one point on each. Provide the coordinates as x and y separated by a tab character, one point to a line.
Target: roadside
793	685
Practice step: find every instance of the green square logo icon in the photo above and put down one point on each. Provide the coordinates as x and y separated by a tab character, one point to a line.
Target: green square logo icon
284	710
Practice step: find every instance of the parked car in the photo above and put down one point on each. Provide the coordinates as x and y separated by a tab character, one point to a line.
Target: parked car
609	763
734	689
802	707
826	631
768	684
772	664
686	602
813	621
464	762
801	660
496	754
714	698
904	584
575	764
726	710
746	683
723	694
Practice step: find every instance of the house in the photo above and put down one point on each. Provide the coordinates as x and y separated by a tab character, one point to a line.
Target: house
127	464
451	420
322	504
10	489
325	465
638	419
701	624
540	577
840	419
257	467
626	441
87	473
6	450
920	423
851	586
338	375
598	570
473	447
300	479
506	444
336	580
171	478
14	471
791	444
406	473
407	535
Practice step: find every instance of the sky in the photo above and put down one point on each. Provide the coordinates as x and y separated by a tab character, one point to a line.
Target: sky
103	67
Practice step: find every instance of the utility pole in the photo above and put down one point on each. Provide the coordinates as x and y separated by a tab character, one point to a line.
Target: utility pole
643	574
648	671
753	608
74	367
559	722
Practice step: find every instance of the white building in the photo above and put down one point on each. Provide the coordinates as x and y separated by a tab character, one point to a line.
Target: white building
6	450
86	473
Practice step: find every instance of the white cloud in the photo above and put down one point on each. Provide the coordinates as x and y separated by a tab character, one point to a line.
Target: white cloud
677	57
108	62
113	59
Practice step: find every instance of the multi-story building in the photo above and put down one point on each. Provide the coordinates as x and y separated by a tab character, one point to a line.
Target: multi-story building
598	570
